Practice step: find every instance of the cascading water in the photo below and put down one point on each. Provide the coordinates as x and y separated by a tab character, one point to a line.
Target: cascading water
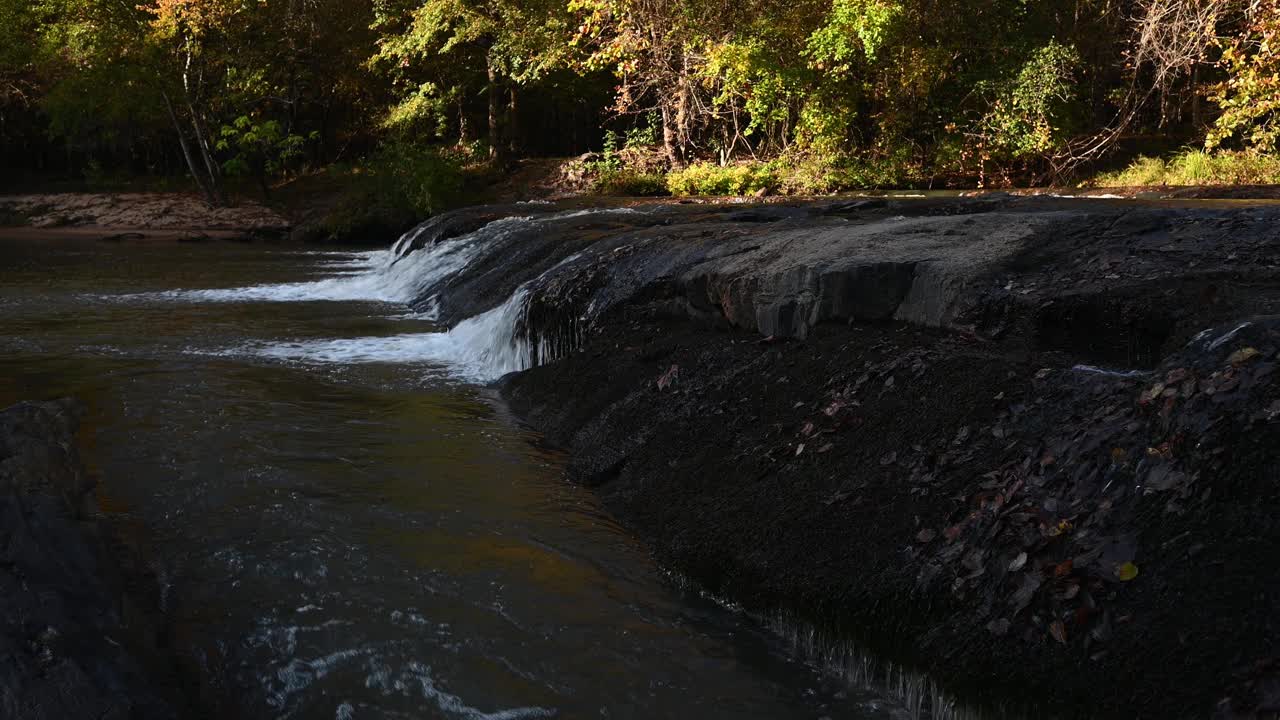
481	348
379	276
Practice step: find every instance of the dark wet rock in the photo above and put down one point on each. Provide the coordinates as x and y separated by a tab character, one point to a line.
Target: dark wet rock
70	645
1026	444
121	237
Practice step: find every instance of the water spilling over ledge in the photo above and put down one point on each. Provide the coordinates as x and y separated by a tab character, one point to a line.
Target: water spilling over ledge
954	429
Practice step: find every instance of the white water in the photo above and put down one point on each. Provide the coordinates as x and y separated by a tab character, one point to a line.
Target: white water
481	348
372	276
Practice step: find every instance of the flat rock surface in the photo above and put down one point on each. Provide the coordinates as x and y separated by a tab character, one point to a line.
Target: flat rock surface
1027	445
156	212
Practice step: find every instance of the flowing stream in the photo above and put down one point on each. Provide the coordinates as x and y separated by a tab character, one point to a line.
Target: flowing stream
345	523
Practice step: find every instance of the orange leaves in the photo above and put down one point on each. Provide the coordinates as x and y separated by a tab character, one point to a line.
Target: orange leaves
188	18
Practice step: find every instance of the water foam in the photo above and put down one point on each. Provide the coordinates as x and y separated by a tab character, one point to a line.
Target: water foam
481	348
396	275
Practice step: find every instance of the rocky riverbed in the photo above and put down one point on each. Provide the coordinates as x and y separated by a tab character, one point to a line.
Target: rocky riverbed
76	640
1027	445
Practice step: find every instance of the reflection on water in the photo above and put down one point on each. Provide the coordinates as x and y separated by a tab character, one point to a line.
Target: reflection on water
360	541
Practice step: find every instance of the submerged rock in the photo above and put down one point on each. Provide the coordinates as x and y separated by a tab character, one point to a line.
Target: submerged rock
71	645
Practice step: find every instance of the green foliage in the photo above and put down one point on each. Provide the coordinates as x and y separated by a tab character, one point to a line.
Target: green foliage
1196	167
630	183
640	136
792	96
259	148
812	175
737	179
421	180
1250	96
394	188
609	160
1030	113
855	32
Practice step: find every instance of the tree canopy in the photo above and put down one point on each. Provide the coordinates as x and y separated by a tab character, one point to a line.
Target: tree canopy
859	90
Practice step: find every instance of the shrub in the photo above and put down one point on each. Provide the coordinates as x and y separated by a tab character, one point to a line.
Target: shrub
399	185
820	176
627	182
738	179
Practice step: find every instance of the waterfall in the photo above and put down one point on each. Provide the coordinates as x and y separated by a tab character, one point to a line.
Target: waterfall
380	276
480	348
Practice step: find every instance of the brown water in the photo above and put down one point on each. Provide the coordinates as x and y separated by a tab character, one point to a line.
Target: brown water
361	540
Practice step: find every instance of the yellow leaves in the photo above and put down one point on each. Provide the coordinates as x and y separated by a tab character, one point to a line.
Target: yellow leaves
1126	571
188	18
1062	526
1243	355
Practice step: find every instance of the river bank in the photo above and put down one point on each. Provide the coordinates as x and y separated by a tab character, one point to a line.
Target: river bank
1025	445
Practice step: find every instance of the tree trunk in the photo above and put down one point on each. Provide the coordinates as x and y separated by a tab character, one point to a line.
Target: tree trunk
684	115
669	137
186	151
495	130
212	176
1197	112
464	126
513	123
215	184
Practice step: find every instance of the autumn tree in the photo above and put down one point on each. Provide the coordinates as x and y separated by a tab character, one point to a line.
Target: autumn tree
1249	97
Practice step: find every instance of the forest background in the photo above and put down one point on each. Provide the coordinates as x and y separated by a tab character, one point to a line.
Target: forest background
404	102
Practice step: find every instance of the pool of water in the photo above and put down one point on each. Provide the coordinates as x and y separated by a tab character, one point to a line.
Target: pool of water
355	530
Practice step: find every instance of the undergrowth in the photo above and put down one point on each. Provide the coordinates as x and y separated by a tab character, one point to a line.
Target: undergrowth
1196	167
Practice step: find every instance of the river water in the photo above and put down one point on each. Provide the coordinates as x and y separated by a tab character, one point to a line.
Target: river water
345	527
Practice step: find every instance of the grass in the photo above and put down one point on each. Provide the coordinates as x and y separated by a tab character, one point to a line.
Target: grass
1196	167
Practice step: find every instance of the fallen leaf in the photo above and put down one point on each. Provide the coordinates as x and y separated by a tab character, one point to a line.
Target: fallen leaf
1018	562
1126	571
837	497
1273	410
799	448
1022	596
1058	631
1151	394
669	377
926	535
1063	568
825	448
998	627
1243	355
